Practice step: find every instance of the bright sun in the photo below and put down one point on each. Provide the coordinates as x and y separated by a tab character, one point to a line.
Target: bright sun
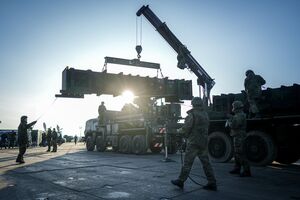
127	96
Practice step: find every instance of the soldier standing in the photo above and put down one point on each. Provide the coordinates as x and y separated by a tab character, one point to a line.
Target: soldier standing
253	84
238	124
101	112
23	138
48	138
54	140
75	139
195	129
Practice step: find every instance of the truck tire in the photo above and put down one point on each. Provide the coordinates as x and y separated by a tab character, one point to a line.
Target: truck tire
90	144
259	148
220	147
100	144
125	144
139	144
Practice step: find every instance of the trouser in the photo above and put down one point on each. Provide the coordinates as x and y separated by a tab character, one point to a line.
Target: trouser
190	155
49	145
22	150
54	143
239	155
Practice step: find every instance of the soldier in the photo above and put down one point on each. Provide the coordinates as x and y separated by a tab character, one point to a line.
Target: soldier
48	138
12	138
75	139
101	112
253	84
195	129
238	124
23	138
54	140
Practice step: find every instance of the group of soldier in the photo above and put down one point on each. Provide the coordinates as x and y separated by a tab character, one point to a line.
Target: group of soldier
195	129
51	138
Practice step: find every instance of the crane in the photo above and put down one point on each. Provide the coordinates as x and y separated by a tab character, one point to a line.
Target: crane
184	57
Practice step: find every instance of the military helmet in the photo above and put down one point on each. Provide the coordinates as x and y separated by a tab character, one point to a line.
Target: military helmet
249	71
237	105
197	102
23	118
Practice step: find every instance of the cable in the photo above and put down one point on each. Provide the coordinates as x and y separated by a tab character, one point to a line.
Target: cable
181	152
46	110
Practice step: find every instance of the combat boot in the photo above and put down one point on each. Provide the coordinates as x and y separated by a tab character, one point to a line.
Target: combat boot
246	174
235	171
178	183
212	187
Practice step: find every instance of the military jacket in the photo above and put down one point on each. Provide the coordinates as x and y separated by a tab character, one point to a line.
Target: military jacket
238	124
253	84
22	133
195	127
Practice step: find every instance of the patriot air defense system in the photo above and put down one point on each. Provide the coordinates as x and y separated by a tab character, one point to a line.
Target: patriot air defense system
135	129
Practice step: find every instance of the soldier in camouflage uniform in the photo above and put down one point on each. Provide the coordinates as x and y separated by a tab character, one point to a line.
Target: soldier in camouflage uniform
101	112
23	138
54	140
195	129
48	138
253	85
238	124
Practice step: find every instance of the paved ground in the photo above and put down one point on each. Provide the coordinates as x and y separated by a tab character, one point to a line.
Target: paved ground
74	173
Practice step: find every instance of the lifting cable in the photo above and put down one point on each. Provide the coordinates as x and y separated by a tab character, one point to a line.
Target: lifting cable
48	108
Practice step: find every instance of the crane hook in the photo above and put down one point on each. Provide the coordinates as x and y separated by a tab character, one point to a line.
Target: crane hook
138	49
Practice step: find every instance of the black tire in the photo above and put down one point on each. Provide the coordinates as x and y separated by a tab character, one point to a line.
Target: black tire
100	144
125	144
259	148
155	147
220	147
90	144
139	144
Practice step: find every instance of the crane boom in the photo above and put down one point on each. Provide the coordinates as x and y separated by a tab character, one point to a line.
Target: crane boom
185	59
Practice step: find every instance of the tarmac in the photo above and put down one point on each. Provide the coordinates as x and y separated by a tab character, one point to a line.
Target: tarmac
74	173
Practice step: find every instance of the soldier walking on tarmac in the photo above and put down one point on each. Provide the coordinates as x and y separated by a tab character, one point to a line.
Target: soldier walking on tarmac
253	84
101	112
23	138
48	138
195	129
54	140
238	124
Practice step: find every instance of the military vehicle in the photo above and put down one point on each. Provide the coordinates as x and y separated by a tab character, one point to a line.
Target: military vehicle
274	136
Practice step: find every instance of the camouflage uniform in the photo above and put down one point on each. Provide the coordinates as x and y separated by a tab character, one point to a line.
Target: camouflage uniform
101	112
253	85
238	124
196	131
23	138
48	138
54	140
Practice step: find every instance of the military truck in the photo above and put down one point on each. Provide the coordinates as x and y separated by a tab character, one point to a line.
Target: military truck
274	136
135	130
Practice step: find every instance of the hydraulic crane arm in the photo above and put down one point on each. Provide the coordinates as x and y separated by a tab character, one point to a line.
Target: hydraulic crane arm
185	59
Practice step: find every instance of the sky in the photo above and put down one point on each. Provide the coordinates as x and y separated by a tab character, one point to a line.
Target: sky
39	38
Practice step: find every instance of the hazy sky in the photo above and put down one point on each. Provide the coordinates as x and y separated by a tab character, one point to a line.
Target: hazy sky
39	38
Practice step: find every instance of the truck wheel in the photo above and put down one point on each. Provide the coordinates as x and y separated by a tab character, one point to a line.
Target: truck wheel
220	147
100	144
90	145
139	144
125	144
259	148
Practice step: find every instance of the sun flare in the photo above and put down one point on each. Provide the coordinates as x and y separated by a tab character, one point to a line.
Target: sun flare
128	96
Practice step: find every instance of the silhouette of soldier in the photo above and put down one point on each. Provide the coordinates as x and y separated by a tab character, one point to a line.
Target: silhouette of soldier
23	138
